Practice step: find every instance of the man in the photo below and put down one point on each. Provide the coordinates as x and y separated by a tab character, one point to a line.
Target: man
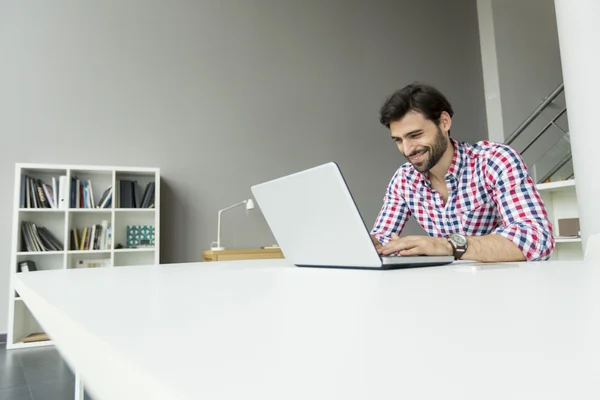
476	202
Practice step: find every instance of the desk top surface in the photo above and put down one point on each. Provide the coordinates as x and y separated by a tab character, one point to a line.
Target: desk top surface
266	329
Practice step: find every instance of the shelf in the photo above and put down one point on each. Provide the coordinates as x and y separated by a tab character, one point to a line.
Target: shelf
567	240
56	210
134	209
39	253
556	185
141	249
94	210
89	251
22	345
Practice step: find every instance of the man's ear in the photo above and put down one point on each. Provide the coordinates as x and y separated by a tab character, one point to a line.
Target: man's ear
445	121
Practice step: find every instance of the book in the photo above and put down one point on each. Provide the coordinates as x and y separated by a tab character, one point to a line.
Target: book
36	337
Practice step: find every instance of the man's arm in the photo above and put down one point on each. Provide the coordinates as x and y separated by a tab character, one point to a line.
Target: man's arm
485	248
520	207
393	214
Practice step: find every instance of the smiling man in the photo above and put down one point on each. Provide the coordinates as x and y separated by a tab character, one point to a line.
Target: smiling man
477	202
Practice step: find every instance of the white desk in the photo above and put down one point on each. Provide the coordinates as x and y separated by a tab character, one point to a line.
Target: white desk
266	330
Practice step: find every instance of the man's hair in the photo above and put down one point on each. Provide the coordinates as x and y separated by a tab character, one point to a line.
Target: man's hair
419	97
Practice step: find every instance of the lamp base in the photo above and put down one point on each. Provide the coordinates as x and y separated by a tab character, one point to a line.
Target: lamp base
215	248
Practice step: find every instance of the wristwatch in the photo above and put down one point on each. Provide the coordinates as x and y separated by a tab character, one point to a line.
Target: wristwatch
458	243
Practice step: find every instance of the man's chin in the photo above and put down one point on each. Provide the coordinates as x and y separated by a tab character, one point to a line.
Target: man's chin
421	166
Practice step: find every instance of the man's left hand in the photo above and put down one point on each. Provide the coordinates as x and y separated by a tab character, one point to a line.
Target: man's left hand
416	246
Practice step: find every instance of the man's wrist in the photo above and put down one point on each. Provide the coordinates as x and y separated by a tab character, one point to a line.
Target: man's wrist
448	246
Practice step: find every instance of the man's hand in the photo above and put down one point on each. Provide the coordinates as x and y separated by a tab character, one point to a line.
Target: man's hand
416	246
376	242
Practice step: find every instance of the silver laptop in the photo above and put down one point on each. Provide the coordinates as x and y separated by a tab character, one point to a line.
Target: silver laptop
317	224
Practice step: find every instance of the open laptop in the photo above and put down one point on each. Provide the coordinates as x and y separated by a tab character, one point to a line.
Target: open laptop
316	223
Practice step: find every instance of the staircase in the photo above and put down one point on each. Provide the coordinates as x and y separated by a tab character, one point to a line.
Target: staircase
543	140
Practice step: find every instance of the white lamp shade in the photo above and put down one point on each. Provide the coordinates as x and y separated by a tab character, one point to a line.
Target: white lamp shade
249	204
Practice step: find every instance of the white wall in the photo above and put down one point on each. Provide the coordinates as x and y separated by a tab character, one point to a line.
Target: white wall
222	95
521	59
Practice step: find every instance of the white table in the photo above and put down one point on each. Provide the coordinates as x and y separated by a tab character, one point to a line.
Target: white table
267	330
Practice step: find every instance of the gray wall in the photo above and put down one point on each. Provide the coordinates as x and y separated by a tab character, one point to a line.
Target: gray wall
521	38
222	95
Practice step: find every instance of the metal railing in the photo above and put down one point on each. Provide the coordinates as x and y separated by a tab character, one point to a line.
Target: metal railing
529	120
535	114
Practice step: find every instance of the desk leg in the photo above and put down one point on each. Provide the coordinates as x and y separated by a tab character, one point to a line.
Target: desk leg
78	387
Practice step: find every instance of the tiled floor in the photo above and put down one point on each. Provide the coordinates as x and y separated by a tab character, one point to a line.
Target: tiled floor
35	374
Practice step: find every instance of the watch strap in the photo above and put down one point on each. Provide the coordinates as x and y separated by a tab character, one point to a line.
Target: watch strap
457	250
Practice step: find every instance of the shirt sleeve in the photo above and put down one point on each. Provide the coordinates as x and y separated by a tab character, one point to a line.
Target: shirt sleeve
393	214
520	207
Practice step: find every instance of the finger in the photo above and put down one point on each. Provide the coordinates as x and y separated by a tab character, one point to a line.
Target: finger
395	236
393	247
414	251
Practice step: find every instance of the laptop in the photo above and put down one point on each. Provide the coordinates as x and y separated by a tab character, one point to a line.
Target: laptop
316	223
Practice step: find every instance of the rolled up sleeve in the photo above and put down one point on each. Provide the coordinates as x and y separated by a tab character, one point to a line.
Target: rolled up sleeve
393	214
519	204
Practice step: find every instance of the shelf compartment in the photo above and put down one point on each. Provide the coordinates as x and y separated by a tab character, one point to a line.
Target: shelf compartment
82	220
100	180
140	181
25	324
45	175
130	258
89	259
54	222
43	261
124	219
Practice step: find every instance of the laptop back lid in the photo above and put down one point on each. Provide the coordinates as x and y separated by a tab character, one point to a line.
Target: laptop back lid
315	220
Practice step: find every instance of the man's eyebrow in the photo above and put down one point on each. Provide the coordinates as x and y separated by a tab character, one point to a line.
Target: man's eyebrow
408	133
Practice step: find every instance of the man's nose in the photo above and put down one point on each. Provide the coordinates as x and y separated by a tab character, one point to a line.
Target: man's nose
408	149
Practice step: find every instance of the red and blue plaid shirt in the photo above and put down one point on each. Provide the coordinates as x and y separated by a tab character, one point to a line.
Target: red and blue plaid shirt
490	191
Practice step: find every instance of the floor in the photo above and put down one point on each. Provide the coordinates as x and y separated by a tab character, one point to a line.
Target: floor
35	374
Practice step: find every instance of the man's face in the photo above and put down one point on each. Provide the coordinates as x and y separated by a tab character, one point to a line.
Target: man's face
420	140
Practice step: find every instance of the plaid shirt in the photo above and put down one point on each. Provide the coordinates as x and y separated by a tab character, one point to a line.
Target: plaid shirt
489	192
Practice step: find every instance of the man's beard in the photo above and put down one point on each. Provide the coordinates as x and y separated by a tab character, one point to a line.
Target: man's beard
434	153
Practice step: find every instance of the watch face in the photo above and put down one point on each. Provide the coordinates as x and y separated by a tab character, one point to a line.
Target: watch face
460	240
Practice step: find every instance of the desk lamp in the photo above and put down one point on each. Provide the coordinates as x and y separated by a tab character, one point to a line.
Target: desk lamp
217	245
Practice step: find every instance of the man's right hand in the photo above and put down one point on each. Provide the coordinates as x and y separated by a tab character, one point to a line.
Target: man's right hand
376	243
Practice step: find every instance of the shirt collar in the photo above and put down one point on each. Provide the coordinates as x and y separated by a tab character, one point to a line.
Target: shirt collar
457	160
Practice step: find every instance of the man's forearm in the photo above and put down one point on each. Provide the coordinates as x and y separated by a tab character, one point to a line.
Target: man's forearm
492	248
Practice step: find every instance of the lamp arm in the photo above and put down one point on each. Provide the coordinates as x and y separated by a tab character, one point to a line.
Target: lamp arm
235	205
219	220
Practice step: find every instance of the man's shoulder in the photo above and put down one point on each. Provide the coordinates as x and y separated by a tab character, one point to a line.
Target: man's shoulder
487	150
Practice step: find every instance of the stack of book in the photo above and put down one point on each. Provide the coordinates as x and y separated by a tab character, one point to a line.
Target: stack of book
95	237
35	193
38	238
130	195
82	195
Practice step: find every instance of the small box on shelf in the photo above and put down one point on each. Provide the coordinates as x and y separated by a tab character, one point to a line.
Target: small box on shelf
140	236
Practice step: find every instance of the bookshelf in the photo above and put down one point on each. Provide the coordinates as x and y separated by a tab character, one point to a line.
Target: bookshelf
78	216
560	200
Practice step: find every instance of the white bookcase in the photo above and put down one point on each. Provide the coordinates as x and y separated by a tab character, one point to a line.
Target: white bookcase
560	199
61	221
